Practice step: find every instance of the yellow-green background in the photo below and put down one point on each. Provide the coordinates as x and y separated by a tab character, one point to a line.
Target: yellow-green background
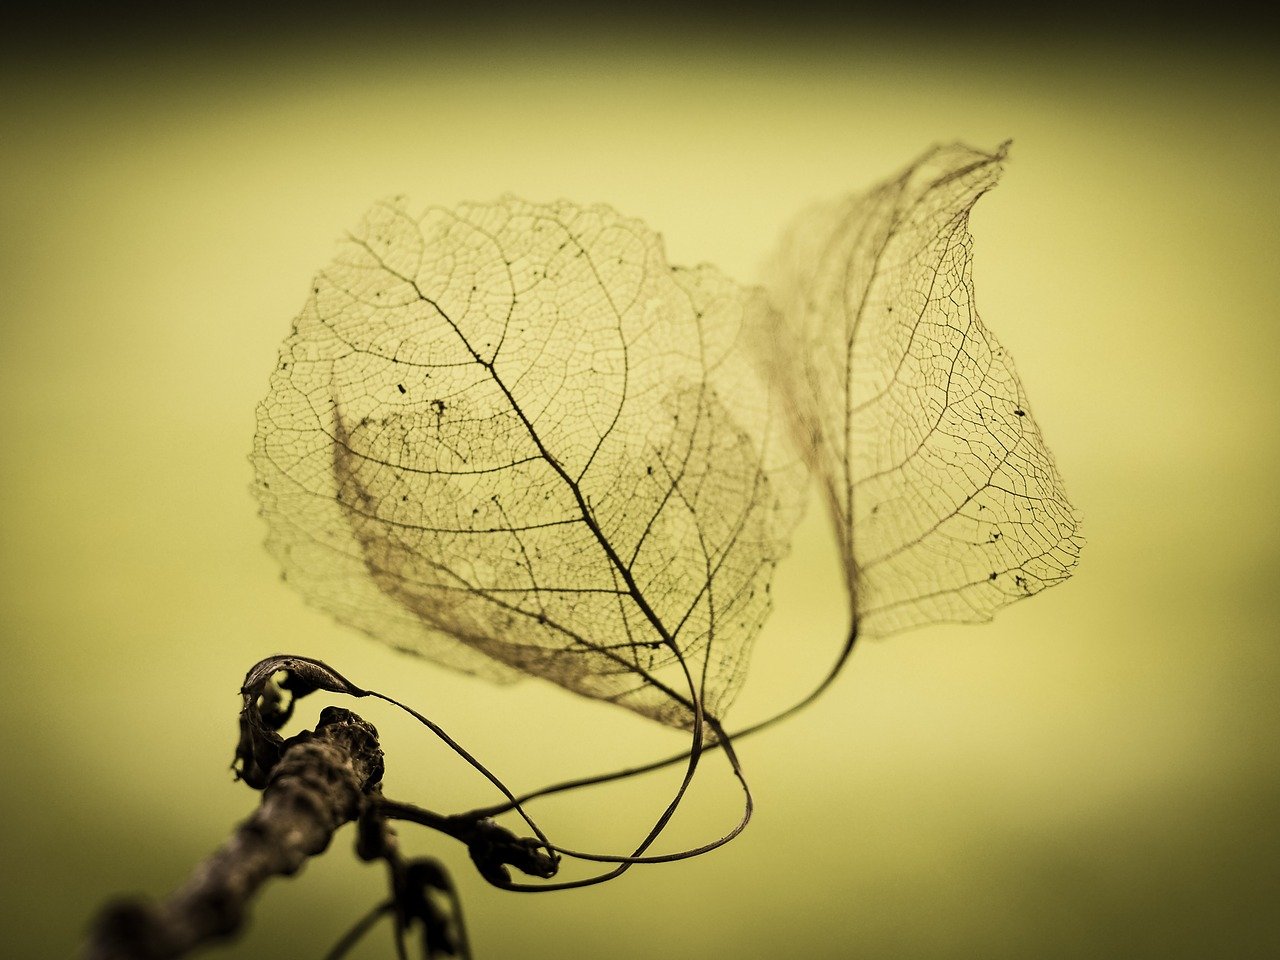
1094	774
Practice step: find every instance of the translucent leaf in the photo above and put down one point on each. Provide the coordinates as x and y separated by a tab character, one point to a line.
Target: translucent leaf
512	439
947	503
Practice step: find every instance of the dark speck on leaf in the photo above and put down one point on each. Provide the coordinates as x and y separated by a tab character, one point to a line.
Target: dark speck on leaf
993	575
438	407
400	387
1019	412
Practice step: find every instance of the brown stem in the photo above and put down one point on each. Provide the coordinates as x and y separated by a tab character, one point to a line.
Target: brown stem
321	781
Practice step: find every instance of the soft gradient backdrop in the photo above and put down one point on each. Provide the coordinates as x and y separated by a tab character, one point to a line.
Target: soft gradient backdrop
1097	773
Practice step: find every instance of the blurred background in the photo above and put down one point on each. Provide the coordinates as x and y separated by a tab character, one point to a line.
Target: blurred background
1096	773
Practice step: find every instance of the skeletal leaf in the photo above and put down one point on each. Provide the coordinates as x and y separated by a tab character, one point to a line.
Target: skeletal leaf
512	439
946	501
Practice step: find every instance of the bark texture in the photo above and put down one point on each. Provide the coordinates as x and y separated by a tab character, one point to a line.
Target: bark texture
321	781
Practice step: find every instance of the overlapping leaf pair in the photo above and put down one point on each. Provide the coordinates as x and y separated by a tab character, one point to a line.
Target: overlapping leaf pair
512	439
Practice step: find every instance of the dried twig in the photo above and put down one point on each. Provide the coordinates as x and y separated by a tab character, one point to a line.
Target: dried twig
322	780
